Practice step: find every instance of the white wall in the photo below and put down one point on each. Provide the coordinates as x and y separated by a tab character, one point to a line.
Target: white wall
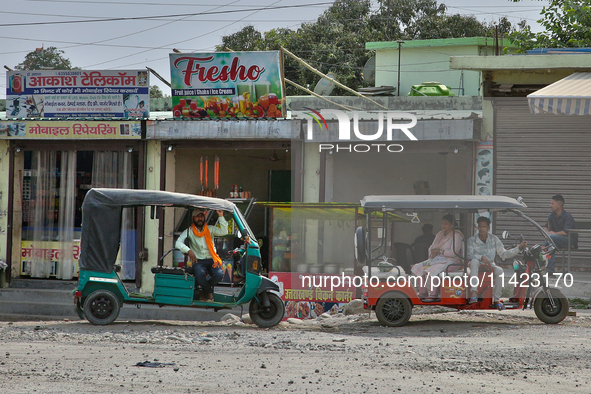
426	64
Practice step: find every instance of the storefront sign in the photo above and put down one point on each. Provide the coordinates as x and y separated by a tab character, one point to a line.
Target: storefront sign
308	302
33	129
226	84
48	251
77	93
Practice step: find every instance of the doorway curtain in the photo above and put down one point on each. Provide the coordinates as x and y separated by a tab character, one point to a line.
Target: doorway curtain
115	169
50	205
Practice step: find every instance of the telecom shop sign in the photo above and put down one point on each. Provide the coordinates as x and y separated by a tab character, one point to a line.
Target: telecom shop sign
77	94
226	85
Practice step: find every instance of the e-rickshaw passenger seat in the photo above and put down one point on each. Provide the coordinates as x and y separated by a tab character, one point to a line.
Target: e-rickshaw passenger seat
169	270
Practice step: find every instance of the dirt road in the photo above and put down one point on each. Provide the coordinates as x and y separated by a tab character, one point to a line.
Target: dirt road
435	353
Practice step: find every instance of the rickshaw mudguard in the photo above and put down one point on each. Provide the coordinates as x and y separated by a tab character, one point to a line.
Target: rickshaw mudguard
89	281
540	293
266	285
251	287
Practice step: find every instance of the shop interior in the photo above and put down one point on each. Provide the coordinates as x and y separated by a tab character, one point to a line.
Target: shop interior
261	175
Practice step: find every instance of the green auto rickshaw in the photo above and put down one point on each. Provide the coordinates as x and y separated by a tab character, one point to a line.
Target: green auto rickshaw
100	293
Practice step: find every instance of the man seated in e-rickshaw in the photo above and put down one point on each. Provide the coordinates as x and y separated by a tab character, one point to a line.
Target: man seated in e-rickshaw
444	254
482	250
202	252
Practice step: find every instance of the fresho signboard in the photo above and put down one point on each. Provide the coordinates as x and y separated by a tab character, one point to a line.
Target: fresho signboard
227	85
77	94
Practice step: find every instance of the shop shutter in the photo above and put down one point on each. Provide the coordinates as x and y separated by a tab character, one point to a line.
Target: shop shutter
537	156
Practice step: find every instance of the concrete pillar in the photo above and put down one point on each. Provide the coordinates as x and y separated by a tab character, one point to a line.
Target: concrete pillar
311	182
4	182
487	120
17	212
153	156
169	215
311	192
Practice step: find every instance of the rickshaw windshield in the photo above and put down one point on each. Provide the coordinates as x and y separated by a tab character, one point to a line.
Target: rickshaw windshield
244	225
540	228
101	219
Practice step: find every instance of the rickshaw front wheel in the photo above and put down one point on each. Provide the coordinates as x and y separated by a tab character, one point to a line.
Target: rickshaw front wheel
393	309
548	313
267	317
101	307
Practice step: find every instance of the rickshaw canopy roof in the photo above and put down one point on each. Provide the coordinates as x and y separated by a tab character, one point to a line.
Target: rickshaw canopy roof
441	203
101	219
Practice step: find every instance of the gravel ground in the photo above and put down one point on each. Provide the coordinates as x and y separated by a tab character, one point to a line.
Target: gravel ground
452	352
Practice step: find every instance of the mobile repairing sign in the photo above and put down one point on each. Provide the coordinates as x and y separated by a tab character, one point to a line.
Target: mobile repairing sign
77	94
70	129
227	85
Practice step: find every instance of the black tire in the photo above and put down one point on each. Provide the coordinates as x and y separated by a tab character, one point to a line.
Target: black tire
79	310
101	307
360	251
393	309
270	317
546	312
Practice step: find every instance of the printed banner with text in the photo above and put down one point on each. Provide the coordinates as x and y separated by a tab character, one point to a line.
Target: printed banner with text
77	94
70	129
226	85
304	300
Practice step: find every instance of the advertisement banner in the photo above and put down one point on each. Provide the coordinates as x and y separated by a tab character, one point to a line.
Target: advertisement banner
484	171
47	250
304	300
77	93
227	85
62	129
484	168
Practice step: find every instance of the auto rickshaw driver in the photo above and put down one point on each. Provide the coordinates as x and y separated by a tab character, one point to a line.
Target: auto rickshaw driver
197	242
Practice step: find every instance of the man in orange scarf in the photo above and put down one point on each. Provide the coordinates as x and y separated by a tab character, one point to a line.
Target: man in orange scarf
201	251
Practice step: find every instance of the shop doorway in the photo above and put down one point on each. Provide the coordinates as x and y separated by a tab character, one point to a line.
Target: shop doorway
55	183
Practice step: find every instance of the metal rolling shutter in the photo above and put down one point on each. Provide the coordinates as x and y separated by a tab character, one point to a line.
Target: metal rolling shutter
537	156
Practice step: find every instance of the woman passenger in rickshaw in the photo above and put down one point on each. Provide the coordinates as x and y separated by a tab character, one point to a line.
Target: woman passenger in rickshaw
443	253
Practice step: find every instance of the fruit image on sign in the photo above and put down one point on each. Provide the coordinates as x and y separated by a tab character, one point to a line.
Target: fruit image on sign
227	85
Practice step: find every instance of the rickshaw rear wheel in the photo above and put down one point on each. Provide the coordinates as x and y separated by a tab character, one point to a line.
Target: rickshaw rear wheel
270	316
393	309
101	307
551	314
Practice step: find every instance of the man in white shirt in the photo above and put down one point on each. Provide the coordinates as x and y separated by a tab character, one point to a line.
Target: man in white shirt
201	251
482	249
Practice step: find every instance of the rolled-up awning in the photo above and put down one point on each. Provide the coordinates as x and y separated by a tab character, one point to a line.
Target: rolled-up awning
569	96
